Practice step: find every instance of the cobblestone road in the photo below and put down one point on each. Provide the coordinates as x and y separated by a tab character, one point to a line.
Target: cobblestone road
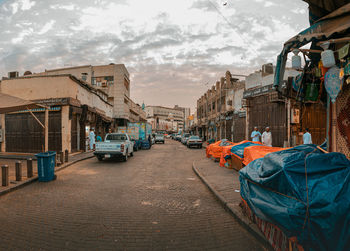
152	202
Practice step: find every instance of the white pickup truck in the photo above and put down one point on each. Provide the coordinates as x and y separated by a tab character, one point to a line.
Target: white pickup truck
115	145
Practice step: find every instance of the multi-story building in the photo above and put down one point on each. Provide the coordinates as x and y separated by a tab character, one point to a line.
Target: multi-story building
114	80
165	118
187	113
219	111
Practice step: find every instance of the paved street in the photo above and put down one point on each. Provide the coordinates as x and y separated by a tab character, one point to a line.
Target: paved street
152	202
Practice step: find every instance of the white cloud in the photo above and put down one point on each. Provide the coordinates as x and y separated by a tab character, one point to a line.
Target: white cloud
182	43
48	26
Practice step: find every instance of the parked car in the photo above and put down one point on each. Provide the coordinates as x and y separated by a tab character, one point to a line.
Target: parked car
178	137
194	141
137	144
115	145
159	138
184	138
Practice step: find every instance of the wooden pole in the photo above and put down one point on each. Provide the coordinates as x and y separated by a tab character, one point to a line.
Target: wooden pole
334	127
46	129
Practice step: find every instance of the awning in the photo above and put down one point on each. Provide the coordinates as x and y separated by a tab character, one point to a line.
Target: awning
334	23
12	104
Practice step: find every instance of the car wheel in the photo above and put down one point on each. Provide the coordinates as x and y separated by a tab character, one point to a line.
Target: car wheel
131	154
99	158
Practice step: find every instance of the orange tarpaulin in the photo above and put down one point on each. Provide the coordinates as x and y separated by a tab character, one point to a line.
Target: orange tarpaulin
214	150
217	150
255	152
226	150
208	149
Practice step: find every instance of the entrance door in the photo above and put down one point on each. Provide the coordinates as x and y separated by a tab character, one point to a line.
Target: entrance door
24	133
263	113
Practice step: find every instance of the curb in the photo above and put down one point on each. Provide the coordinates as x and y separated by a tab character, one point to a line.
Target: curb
232	209
29	181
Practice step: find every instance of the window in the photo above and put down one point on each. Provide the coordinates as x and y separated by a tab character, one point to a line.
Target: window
126	84
103	81
84	76
116	137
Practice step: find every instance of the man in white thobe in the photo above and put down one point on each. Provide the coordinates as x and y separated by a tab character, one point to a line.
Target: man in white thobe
92	139
266	137
307	137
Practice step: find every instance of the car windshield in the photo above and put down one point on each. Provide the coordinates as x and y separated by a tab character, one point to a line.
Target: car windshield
116	137
159	135
187	135
194	137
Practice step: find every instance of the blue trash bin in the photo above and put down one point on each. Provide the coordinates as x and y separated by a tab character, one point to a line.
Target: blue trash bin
46	166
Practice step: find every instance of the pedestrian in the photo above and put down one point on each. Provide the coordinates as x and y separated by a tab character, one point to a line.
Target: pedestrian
150	140
92	139
307	137
98	138
266	137
255	135
110	130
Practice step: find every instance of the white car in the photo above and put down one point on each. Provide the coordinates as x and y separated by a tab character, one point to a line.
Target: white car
115	145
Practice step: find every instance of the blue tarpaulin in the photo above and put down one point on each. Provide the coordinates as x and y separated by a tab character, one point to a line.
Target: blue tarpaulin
303	191
239	149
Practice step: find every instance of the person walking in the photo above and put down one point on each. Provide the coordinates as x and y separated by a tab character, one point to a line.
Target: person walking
266	137
150	140
98	138
307	137
92	139
255	135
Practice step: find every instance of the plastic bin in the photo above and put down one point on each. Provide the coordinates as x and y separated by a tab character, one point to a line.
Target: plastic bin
46	166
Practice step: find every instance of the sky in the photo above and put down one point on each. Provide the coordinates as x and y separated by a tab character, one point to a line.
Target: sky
173	50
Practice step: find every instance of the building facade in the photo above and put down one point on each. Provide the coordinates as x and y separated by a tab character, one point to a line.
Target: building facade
219	111
113	79
165	118
74	108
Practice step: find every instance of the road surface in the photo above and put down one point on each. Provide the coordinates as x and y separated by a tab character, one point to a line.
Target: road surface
152	202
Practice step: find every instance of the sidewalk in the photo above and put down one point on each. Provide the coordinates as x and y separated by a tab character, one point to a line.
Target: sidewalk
10	160
224	184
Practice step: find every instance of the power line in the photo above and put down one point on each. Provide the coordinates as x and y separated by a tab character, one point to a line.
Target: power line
232	26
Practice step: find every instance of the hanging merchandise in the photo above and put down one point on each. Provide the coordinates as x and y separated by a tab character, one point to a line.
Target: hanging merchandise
333	83
297	82
296	60
347	68
312	90
344	51
327	56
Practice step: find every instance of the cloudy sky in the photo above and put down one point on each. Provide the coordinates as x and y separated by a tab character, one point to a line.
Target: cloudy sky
172	49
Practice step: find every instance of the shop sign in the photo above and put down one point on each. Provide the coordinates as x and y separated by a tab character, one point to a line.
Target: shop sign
257	91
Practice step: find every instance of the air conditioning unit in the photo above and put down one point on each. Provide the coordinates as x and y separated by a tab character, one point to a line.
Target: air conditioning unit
245	102
275	97
13	74
267	69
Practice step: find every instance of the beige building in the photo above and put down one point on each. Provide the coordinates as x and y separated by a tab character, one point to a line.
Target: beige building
219	111
74	107
113	79
165	118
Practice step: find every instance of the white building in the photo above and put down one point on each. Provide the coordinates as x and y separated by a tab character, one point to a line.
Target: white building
165	118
